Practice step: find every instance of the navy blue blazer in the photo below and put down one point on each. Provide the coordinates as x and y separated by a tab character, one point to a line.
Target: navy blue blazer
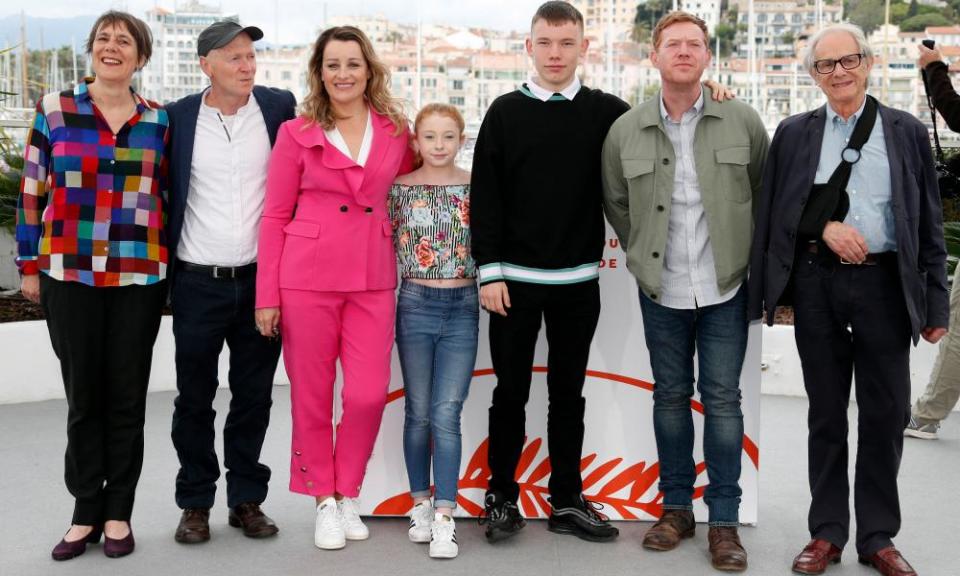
277	106
787	179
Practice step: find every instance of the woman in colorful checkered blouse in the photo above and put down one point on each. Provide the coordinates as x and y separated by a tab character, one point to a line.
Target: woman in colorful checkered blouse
92	252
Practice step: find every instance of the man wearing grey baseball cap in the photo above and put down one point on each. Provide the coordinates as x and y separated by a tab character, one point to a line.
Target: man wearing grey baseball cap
220	145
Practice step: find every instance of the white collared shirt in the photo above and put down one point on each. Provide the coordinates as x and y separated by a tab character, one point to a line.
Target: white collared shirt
336	138
228	181
543	94
689	278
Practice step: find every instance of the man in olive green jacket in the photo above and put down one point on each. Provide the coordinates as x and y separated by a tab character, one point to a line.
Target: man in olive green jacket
681	174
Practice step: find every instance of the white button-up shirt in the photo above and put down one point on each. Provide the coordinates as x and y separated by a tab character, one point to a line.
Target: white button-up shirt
228	182
689	278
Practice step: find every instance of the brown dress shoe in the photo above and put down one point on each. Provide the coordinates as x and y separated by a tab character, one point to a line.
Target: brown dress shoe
254	522
726	551
194	526
672	527
889	562
816	557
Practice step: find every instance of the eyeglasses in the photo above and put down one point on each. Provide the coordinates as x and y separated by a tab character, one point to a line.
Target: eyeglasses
849	62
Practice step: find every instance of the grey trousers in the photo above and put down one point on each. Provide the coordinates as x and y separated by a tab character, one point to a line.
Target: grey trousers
943	391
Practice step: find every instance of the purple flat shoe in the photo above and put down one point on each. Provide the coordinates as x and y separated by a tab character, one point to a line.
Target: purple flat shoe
113	548
67	550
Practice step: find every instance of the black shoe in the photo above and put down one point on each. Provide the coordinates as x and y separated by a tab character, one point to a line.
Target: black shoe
501	517
583	521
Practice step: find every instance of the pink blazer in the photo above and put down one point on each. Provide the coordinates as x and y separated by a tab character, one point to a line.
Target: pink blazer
325	224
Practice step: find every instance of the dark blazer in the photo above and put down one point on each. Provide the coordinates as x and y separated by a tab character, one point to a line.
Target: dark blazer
277	106
787	180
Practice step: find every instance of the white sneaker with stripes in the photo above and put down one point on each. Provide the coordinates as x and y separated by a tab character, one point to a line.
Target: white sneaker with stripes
443	540
421	518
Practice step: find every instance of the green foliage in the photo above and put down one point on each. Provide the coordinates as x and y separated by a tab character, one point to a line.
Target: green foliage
951	233
727	34
11	165
648	13
913	9
898	12
921	21
868	14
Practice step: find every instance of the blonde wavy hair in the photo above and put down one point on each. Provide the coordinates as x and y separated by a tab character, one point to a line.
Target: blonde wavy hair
317	107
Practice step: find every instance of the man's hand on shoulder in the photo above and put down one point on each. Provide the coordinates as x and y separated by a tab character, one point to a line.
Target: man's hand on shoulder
719	92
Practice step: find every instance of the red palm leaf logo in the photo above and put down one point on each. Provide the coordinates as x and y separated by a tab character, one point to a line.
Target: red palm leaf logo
624	488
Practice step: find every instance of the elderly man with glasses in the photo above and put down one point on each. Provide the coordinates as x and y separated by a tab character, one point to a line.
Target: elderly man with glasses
857	247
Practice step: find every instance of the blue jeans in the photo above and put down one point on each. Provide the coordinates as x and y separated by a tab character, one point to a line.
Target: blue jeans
437	341
719	336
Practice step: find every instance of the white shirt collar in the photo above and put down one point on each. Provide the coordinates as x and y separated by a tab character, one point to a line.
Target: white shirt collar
543	94
243	111
832	115
697	107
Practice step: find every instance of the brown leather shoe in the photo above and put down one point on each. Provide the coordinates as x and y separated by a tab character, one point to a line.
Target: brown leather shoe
726	552
672	527
194	526
889	562
254	522
816	557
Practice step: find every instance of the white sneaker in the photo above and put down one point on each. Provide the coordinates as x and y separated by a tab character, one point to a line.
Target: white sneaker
353	527
443	541
421	517
328	534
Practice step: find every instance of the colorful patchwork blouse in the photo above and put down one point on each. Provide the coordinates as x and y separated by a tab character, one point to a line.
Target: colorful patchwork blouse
431	230
90	208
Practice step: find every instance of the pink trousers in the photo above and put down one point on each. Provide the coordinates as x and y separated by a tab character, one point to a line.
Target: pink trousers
318	328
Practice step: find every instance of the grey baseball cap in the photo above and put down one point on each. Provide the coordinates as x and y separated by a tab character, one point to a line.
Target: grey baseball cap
221	33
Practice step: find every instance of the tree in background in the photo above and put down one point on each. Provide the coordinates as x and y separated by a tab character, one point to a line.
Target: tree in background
646	19
921	21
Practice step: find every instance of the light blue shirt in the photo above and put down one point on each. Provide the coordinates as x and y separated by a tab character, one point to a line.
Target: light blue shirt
870	212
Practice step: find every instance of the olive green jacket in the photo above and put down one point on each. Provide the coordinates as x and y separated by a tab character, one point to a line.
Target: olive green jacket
730	147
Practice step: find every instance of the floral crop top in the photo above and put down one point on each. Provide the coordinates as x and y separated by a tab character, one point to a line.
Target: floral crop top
431	230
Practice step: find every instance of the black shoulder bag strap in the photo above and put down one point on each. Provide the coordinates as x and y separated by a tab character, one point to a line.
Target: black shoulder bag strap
829	201
933	117
851	154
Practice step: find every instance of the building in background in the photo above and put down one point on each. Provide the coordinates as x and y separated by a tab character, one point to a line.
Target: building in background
607	18
174	70
284	67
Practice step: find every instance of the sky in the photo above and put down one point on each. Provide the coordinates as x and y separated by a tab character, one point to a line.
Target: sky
296	21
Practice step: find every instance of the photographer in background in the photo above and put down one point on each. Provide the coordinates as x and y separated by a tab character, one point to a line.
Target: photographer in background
944	388
939	87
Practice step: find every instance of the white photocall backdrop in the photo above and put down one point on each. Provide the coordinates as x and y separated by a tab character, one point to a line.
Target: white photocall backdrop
619	464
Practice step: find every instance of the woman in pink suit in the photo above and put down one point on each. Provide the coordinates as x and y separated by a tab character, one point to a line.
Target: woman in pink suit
327	269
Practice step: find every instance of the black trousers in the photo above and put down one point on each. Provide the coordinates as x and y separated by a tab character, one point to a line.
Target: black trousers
853	320
104	339
570	312
206	313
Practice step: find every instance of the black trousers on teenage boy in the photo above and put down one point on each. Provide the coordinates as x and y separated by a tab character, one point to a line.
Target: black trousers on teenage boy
853	320
104	339
570	313
208	312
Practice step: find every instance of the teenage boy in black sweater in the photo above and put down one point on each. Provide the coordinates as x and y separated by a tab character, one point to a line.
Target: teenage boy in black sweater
538	236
